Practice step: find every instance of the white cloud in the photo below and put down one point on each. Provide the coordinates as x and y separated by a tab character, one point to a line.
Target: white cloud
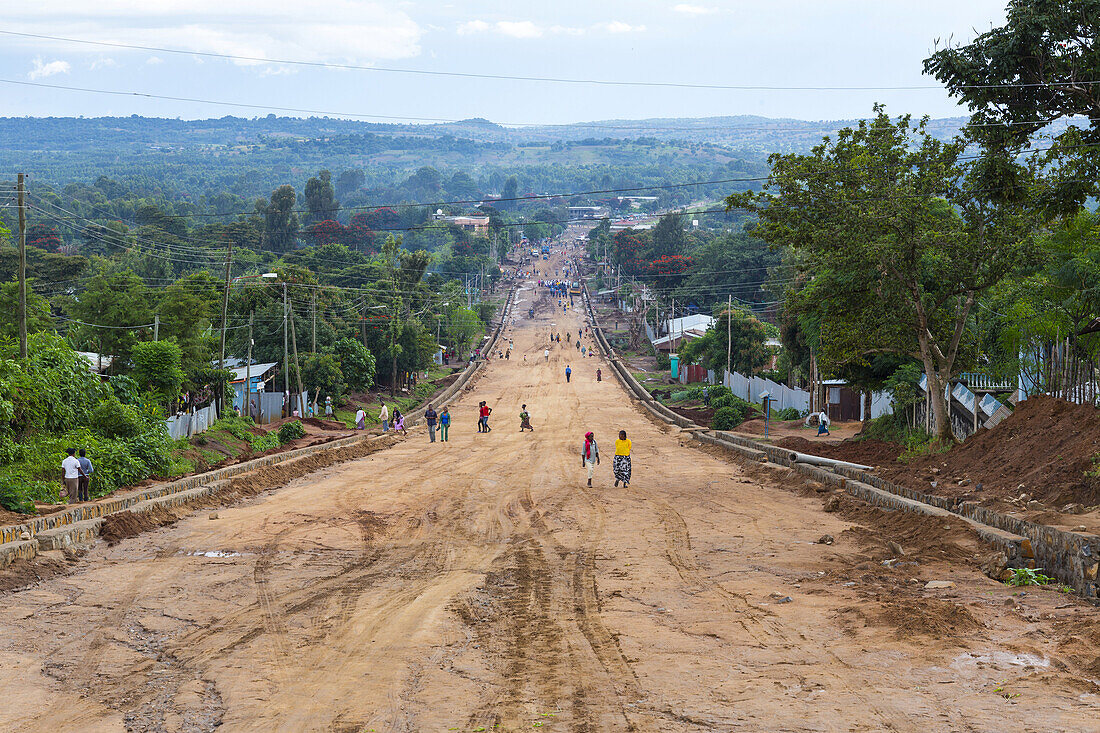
518	29
617	26
103	63
528	29
694	9
473	26
154	61
567	30
341	31
43	69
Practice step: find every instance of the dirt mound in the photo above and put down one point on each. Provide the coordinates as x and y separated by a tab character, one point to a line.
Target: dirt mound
698	415
867	452
928	617
123	525
1048	445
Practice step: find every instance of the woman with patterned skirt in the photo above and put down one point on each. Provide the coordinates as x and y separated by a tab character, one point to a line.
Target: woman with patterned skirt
621	465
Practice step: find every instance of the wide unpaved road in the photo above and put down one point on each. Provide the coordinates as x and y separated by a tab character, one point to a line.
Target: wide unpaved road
479	585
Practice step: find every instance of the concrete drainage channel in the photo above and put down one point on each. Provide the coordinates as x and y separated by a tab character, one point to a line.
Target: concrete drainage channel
81	525
1071	557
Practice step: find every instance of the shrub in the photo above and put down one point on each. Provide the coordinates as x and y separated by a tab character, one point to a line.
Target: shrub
663	361
291	431
718	391
789	413
13	498
726	418
112	419
722	401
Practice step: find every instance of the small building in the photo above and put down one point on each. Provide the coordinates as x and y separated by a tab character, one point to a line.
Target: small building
97	363
475	224
587	212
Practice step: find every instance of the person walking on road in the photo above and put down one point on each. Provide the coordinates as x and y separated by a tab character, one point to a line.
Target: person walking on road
484	412
568	372
384	416
620	466
84	486
525	420
822	423
430	417
599	375
590	455
399	422
360	419
546	354
444	424
70	474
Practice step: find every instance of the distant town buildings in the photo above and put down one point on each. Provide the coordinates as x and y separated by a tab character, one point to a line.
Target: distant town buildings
475	224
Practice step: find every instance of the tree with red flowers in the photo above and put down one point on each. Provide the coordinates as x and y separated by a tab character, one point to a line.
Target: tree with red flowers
360	235
326	232
671	269
44	236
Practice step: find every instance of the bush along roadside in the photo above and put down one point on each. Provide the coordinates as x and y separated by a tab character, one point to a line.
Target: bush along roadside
51	402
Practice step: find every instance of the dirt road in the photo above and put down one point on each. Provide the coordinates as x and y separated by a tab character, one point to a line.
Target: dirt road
479	585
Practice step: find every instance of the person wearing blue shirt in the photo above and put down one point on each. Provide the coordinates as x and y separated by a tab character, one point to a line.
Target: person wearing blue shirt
444	425
568	372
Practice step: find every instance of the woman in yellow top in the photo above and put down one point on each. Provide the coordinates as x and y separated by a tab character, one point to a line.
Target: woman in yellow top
621	465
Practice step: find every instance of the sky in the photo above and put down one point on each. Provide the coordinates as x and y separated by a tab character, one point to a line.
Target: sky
769	43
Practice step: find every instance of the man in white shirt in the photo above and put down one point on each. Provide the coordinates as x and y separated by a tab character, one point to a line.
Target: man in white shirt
384	416
70	471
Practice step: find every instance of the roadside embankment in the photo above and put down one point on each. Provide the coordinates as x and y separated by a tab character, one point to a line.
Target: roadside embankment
1071	557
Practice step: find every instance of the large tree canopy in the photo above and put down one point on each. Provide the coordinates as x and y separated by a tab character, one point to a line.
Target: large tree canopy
901	233
1041	66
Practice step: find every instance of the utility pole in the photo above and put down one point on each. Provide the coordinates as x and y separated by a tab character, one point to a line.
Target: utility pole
729	332
364	321
225	303
22	270
297	369
313	334
156	327
286	354
247	404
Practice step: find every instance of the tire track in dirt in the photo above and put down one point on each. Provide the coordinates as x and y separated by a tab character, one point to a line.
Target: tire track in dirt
765	628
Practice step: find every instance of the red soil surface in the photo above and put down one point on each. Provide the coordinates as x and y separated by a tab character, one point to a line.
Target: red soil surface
1046	449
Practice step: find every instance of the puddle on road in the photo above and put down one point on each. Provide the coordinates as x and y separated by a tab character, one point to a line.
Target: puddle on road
970	660
213	553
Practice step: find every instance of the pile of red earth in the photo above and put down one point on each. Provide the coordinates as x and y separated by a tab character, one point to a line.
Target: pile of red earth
866	452
1047	448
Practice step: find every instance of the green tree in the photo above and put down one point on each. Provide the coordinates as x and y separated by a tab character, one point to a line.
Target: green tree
462	326
322	376
356	363
321	198
157	369
1041	66
900	235
280	221
39	317
508	195
114	313
740	330
668	237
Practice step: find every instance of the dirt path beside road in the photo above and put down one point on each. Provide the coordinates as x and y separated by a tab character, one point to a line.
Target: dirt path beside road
480	585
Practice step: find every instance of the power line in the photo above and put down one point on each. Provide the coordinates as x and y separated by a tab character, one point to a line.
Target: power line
547	79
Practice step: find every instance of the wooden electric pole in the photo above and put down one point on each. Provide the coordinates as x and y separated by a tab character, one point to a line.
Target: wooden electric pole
247	404
225	302
297	366
22	270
